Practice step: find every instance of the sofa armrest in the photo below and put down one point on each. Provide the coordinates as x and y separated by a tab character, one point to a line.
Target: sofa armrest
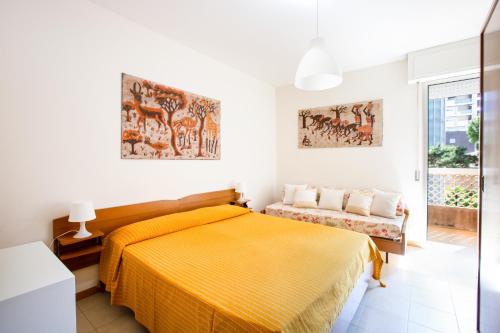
407	215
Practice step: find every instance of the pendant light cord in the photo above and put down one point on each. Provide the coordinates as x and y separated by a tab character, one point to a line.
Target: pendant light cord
317	18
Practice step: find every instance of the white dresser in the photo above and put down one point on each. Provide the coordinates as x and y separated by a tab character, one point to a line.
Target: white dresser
37	292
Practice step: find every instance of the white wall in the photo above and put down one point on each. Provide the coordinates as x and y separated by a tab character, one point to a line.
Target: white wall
389	167
61	64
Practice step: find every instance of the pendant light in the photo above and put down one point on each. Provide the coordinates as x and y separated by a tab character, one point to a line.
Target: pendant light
317	69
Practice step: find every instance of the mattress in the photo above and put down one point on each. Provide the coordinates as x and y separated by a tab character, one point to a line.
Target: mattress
371	225
225	269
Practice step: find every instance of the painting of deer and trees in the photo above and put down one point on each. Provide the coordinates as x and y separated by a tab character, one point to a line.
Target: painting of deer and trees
344	125
161	122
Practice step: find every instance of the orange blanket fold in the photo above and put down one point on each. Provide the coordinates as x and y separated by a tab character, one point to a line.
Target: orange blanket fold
224	269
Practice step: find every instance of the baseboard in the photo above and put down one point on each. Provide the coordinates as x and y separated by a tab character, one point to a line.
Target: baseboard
87	292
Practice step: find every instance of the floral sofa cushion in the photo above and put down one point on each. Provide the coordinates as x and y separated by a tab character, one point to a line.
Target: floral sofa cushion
371	225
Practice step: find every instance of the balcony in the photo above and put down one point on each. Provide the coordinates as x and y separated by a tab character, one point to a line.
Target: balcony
452	198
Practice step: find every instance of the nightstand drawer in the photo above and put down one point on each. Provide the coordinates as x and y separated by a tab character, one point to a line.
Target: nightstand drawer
78	253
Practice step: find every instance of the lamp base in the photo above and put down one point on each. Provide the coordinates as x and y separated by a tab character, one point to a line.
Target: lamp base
241	200
83	232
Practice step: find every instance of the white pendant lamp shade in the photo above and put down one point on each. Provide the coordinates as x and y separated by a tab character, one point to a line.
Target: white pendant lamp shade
317	70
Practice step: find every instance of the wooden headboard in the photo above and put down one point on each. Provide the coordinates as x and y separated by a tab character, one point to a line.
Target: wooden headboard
109	219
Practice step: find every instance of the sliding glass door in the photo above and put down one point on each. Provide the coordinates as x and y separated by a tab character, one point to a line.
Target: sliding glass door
453	156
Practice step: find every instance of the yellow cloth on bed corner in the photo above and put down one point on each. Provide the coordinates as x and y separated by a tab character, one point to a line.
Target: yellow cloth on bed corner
223	269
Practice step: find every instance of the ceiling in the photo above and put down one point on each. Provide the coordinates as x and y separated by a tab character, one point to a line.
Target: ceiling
266	38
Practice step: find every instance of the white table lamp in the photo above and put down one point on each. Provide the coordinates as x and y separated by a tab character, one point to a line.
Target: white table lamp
241	188
81	212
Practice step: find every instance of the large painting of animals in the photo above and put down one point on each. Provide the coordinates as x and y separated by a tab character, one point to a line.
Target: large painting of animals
161	122
343	125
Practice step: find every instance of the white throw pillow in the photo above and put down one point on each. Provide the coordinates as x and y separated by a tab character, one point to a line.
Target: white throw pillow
305	198
401	203
385	204
290	192
349	191
359	203
331	199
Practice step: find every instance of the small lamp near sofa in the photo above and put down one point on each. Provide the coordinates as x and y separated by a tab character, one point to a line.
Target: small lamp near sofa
241	188
81	212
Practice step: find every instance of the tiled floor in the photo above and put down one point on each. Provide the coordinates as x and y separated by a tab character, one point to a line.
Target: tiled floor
94	314
429	290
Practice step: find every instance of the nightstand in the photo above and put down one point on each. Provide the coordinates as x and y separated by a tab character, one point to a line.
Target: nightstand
78	253
244	204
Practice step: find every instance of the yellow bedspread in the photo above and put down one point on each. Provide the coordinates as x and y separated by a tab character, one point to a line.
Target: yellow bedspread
225	269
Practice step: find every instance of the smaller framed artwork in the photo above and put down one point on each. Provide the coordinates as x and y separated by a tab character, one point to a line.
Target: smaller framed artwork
344	125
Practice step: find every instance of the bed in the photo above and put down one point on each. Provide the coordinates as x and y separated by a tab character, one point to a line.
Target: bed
213	267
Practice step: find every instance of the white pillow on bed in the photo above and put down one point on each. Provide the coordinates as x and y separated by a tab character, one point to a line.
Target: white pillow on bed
359	203
305	198
289	195
331	199
385	204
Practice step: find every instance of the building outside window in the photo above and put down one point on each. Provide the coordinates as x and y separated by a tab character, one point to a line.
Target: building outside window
452	106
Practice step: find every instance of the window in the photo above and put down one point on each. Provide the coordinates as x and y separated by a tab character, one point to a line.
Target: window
452	106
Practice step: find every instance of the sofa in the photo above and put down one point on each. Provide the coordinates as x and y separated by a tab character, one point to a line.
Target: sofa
389	234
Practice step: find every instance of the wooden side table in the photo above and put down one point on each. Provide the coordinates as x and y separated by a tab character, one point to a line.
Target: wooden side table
239	204
78	253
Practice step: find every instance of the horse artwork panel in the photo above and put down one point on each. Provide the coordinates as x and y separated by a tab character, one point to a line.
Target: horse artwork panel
344	125
161	122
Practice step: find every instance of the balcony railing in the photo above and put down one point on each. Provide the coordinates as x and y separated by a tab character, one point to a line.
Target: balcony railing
453	187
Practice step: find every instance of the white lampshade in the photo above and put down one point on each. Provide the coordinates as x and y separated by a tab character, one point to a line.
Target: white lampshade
241	187
317	70
81	211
